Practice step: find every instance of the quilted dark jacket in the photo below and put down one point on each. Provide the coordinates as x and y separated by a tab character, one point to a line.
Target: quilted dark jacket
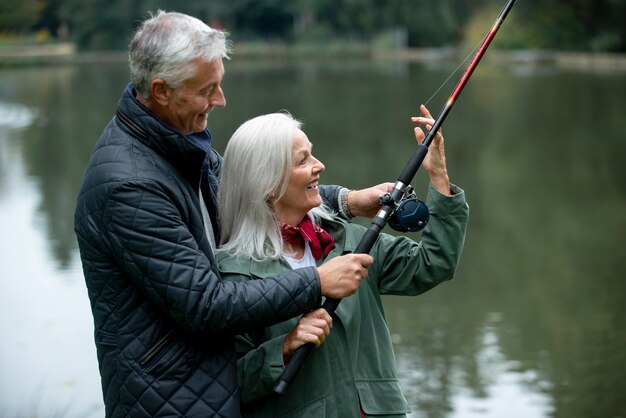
164	320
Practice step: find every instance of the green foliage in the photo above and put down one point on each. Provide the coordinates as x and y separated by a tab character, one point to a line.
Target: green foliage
17	16
586	25
270	18
581	25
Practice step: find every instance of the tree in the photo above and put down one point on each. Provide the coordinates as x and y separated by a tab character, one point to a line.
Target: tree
270	18
18	16
593	25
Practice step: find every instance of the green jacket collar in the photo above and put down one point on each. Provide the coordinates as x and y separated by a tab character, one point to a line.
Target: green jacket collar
344	243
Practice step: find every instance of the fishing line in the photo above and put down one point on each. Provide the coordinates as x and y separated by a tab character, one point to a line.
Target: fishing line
472	52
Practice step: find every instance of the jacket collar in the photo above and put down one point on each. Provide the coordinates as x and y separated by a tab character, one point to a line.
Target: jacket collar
344	243
186	154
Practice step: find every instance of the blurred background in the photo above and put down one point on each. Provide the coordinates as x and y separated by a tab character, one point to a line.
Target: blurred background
581	25
532	325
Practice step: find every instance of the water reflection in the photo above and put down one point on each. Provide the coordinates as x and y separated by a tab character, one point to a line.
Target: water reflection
530	327
47	355
14	116
498	389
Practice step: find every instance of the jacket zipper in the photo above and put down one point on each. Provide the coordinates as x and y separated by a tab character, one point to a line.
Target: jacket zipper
157	348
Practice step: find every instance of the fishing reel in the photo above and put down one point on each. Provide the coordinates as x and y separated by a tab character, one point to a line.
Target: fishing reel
411	214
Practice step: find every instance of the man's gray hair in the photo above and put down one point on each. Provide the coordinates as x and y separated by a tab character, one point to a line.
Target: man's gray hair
255	173
165	44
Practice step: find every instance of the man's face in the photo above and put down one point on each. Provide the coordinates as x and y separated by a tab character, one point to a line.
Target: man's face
189	106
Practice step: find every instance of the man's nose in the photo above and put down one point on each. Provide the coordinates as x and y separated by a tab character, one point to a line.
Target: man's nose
218	99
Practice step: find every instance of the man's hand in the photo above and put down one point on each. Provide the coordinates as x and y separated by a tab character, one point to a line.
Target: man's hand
341	276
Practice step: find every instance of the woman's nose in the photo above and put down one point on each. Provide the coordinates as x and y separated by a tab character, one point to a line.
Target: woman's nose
319	166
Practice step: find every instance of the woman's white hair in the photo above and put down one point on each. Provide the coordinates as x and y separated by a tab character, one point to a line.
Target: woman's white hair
255	173
166	43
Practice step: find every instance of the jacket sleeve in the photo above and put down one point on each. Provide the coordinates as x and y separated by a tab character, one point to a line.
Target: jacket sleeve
259	353
153	246
258	367
406	267
330	196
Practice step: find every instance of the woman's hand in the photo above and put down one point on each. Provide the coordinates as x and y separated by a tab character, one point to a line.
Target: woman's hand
366	202
435	161
313	328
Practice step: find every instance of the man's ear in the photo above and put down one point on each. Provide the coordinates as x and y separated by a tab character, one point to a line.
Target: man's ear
160	92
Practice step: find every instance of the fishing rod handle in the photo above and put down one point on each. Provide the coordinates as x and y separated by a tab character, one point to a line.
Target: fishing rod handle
293	368
330	305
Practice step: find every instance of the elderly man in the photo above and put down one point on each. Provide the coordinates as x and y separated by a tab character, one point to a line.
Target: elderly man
147	225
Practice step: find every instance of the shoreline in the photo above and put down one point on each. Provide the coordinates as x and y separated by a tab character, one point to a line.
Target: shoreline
20	54
527	57
67	53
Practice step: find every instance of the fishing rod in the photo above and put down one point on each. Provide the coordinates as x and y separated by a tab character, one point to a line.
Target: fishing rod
390	201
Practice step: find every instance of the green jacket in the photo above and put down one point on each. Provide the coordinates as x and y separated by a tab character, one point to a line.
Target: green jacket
355	367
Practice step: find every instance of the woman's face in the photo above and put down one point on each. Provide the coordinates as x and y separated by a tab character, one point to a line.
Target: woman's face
302	193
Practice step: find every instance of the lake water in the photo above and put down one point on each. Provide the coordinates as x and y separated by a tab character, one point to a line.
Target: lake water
532	326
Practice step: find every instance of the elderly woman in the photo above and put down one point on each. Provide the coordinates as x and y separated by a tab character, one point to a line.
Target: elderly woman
272	221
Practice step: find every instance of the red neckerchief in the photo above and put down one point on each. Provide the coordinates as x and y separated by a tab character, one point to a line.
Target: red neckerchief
319	240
